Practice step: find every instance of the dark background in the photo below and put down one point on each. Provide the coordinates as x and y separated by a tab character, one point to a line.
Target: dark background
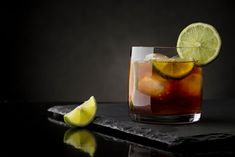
70	50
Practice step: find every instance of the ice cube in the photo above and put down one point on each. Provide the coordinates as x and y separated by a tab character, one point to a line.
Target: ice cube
154	86
155	56
175	57
191	85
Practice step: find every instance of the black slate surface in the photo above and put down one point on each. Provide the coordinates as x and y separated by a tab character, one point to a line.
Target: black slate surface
217	125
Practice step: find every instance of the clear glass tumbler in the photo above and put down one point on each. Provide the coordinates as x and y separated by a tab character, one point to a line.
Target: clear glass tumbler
164	88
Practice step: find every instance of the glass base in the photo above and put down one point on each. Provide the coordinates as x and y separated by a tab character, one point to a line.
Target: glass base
171	119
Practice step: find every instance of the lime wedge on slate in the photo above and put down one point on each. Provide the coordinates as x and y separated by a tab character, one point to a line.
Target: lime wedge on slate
83	114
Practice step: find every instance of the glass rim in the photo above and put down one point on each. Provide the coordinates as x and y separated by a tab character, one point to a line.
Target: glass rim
161	47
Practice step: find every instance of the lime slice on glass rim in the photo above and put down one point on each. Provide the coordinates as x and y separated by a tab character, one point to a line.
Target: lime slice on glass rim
174	68
83	114
199	41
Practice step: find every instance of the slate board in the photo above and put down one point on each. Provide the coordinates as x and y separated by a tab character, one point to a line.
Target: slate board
216	126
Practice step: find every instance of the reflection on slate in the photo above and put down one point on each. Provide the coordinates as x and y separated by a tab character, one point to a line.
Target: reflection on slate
216	126
86	141
81	139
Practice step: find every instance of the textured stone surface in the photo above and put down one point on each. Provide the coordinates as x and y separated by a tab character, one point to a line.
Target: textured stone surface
217	124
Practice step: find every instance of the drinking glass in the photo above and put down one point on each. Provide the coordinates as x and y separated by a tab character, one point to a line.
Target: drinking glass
164	88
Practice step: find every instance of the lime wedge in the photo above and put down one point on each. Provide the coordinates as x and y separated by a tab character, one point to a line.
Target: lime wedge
83	114
175	68
81	139
199	41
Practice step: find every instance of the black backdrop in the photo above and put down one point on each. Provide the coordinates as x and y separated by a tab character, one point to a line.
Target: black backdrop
70	50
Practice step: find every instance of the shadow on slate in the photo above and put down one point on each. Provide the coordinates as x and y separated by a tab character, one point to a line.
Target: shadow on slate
215	131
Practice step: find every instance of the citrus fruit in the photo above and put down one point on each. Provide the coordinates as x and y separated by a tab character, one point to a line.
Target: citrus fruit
199	41
83	114
173	68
